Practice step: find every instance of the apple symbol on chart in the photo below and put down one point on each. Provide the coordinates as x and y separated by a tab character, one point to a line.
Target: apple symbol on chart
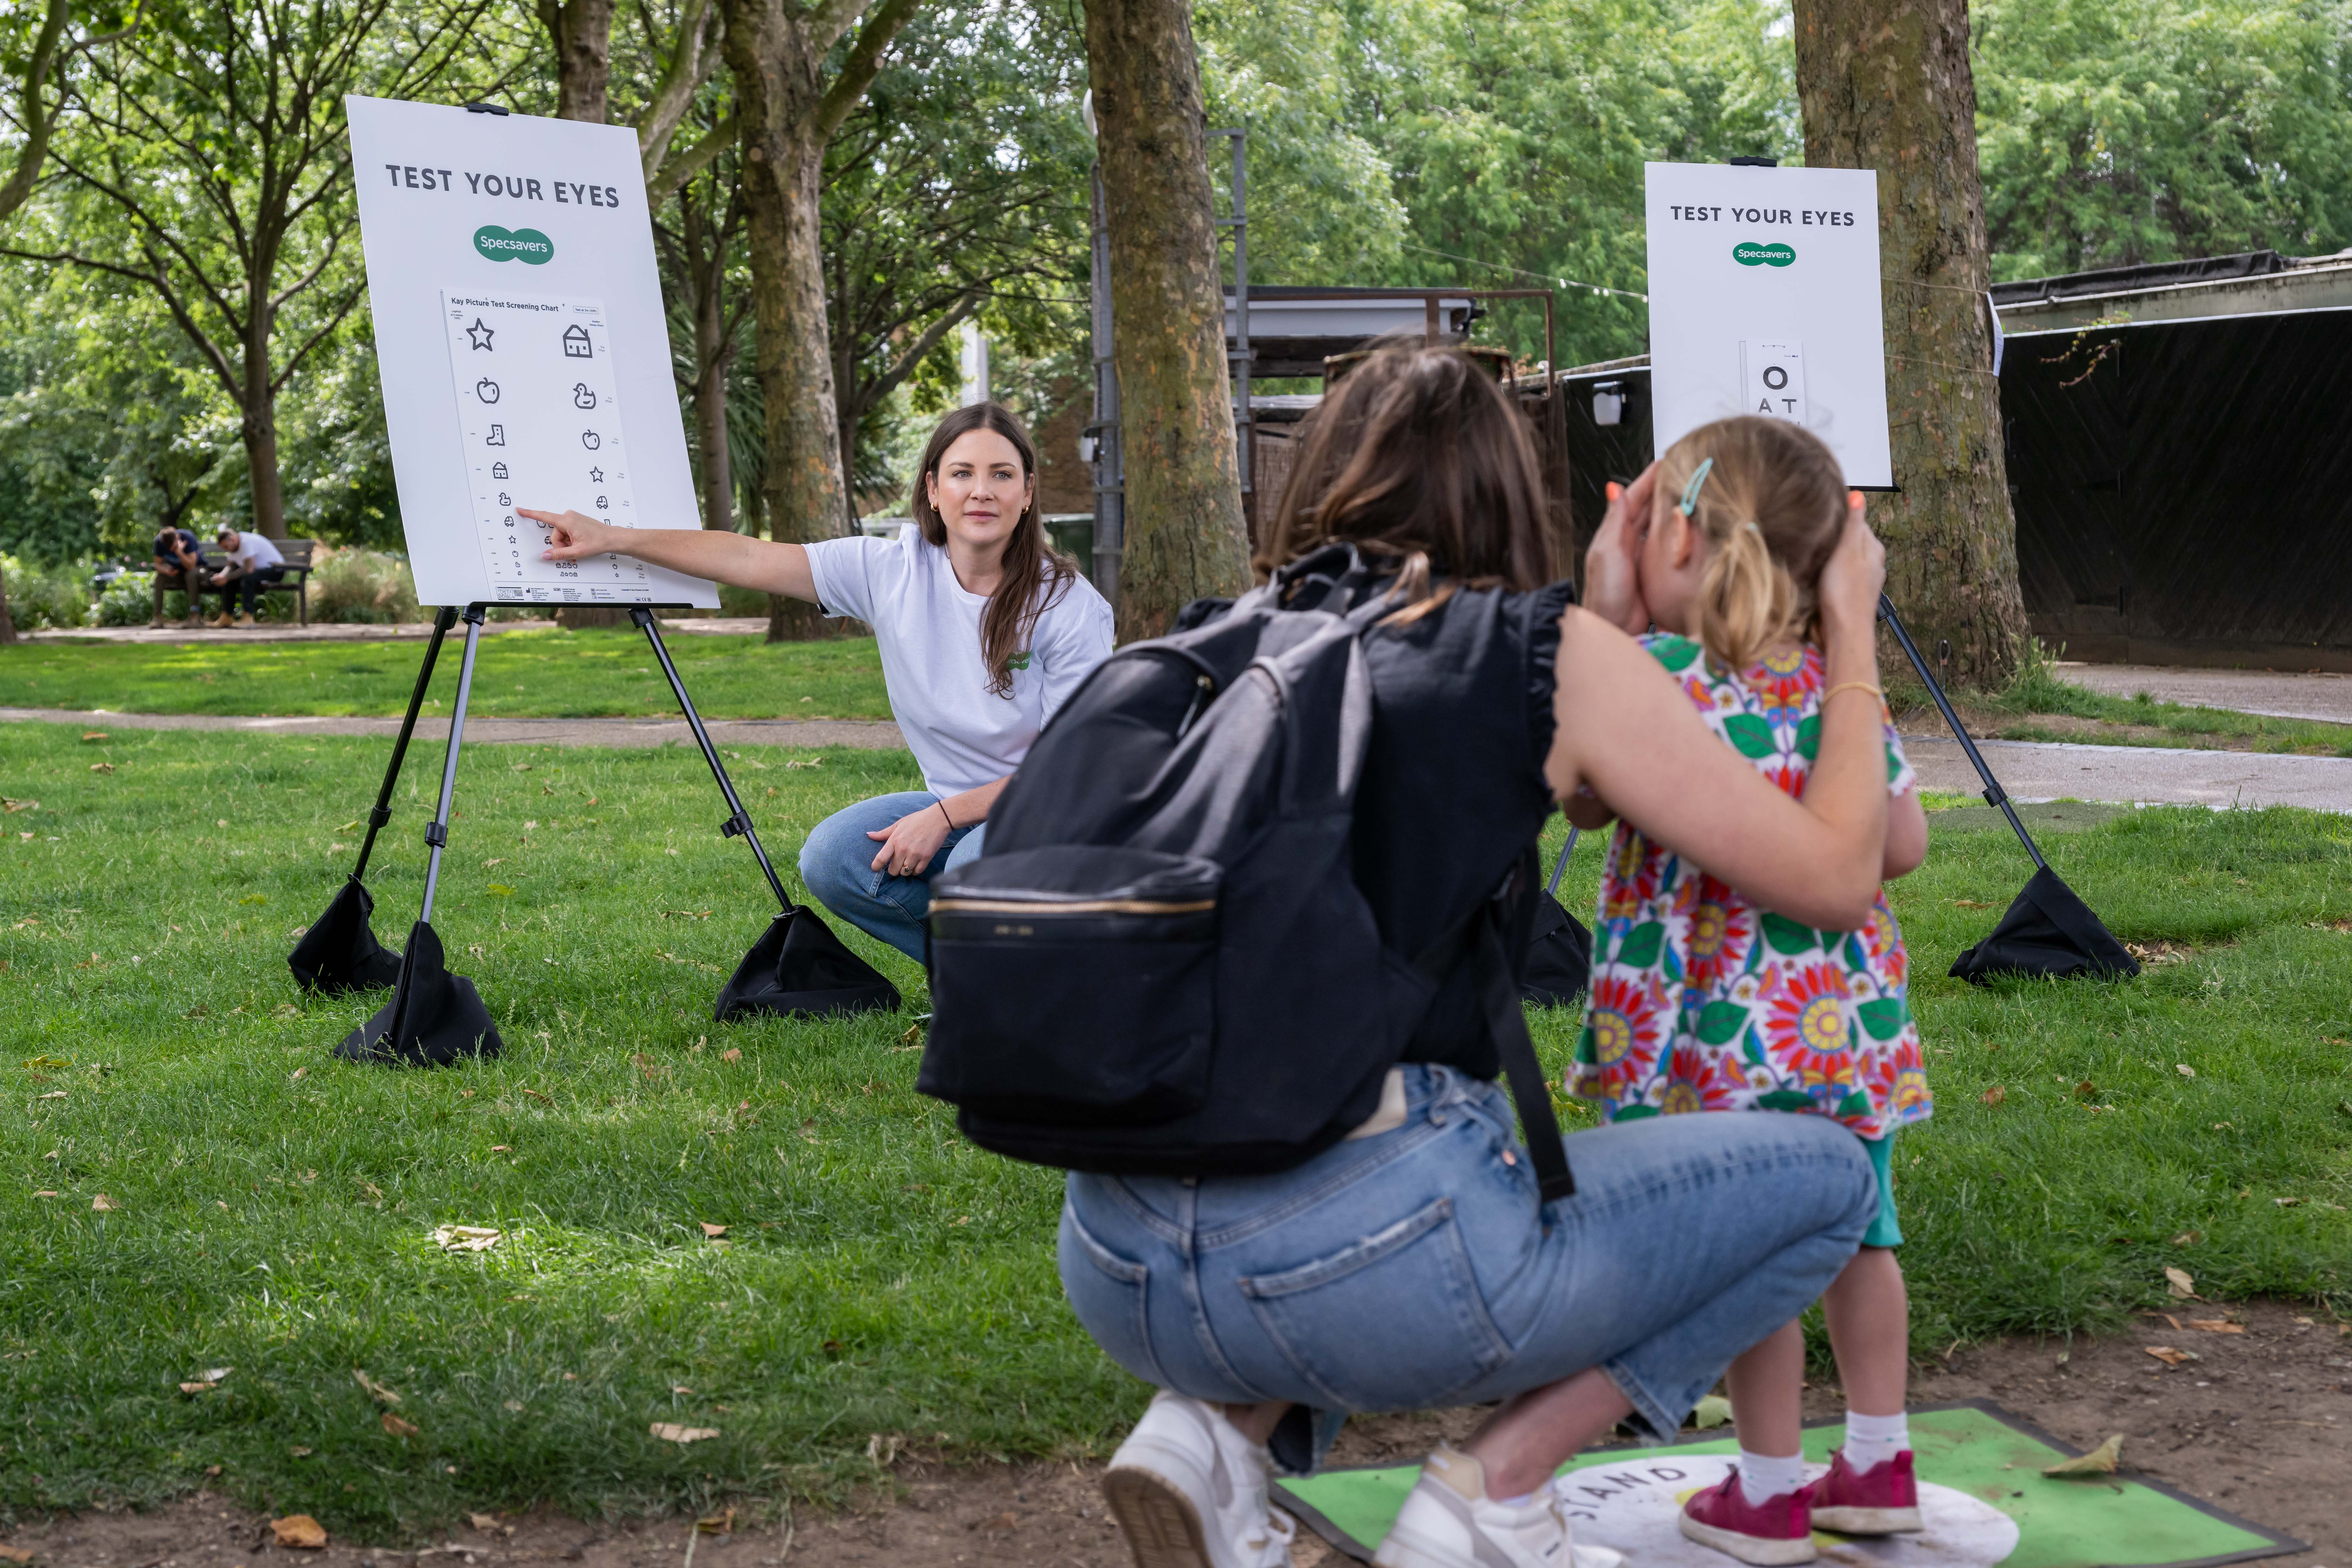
590	439
487	390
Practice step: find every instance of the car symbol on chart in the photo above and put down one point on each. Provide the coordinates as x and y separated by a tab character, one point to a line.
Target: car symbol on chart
487	390
581	397
590	439
602	503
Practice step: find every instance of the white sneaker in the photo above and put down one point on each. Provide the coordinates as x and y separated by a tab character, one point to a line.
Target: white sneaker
1189	1491
1449	1521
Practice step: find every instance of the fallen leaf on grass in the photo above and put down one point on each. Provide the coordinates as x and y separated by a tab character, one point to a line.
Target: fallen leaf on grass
670	1432
543	1098
2100	1461
465	1238
16	1554
713	1231
53	1094
45	1193
484	1522
104	1205
299	1073
1715	1410
96	735
15	806
717	1523
2217	1325
2184	1069
398	1427
2189	1238
2179	1283
375	1390
299	1530
2169	1356
2286	1203
102	767
502	1149
2166	1316
1995	1095
731	1054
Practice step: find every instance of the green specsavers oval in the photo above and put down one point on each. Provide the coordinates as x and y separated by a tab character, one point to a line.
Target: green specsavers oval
527	246
1748	253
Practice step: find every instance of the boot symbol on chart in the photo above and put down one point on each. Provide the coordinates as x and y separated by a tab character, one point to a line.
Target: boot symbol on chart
497	437
487	390
581	397
590	439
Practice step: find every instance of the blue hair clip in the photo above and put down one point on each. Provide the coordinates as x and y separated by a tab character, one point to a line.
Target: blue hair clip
1689	505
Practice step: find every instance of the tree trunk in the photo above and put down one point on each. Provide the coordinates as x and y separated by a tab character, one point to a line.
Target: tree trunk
778	88
1885	85
1185	537
7	625
581	34
710	434
259	429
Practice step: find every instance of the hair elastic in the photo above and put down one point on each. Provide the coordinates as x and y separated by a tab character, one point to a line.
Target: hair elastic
1689	505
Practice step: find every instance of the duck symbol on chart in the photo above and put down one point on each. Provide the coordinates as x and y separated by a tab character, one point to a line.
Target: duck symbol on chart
581	396
479	334
595	476
487	390
497	437
499	471
576	344
590	439
504	499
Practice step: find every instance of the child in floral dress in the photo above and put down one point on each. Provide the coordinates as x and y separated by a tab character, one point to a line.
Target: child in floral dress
1700	1001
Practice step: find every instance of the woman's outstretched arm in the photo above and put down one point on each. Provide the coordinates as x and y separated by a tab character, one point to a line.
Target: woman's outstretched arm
1625	728
769	566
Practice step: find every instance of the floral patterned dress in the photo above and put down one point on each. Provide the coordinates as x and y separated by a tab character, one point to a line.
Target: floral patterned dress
1700	1001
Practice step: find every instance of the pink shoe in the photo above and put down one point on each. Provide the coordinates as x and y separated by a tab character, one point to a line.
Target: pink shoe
1876	1501
1779	1532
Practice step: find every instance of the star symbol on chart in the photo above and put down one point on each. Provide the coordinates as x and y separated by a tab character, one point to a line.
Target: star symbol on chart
595	476
481	335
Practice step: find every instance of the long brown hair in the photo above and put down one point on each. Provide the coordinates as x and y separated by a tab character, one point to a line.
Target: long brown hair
1418	457
1770	511
1035	575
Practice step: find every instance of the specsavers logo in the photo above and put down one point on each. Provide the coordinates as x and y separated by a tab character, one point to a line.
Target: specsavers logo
1748	253
527	246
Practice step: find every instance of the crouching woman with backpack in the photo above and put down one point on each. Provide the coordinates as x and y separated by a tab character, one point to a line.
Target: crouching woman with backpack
1236	956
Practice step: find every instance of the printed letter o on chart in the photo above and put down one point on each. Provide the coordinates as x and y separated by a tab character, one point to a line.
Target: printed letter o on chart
527	246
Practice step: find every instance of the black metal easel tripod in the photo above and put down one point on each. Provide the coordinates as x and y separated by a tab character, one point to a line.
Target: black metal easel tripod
434	1017
2047	929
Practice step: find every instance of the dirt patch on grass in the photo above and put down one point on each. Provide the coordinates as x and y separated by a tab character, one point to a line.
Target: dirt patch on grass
2259	1422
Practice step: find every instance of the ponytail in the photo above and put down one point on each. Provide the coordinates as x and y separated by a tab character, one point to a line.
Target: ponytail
1746	599
1767	498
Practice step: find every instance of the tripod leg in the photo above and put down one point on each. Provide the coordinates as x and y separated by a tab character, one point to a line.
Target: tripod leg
1560	866
740	821
446	618
436	832
1994	795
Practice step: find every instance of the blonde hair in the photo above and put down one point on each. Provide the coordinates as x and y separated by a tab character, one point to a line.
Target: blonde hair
1769	508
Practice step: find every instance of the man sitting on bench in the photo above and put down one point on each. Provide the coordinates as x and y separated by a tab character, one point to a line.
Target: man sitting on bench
179	563
253	564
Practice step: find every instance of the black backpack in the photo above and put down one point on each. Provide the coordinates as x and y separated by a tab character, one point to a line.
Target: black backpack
1162	964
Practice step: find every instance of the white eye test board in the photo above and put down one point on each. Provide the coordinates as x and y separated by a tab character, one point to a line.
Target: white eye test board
523	349
1765	299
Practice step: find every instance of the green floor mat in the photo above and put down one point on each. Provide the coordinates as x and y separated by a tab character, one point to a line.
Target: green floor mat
1982	1491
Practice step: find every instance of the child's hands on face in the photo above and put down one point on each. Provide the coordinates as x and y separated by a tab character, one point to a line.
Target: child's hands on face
1613	565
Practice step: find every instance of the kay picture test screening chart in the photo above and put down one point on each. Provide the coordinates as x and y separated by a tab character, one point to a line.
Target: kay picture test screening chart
523	350
1764	299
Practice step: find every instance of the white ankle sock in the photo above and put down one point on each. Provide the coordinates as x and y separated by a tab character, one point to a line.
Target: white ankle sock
1871	1440
1763	1478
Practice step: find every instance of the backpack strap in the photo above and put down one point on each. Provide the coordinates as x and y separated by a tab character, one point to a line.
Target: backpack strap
1478	937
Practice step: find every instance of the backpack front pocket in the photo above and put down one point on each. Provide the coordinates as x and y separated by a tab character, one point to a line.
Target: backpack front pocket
1074	984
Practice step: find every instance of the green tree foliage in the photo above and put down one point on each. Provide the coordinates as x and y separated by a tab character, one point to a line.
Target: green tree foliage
2112	133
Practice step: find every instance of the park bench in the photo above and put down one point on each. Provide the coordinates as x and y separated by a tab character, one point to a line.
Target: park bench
296	582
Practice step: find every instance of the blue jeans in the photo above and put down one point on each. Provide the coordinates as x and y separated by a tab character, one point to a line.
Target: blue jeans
1414	1269
838	865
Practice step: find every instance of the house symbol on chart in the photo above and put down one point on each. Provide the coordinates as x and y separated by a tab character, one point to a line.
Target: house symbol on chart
499	471
576	344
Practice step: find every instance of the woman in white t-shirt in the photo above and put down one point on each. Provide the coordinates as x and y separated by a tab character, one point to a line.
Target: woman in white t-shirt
984	631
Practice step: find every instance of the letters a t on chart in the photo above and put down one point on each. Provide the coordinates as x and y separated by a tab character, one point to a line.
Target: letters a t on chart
523	349
1765	299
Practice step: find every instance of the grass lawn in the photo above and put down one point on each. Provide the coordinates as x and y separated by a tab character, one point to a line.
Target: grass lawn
272	1210
528	673
2039	706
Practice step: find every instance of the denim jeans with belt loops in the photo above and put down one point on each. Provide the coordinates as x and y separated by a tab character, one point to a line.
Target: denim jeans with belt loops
1413	1267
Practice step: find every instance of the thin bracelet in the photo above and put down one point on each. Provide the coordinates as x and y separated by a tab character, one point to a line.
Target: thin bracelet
1854	685
943	812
